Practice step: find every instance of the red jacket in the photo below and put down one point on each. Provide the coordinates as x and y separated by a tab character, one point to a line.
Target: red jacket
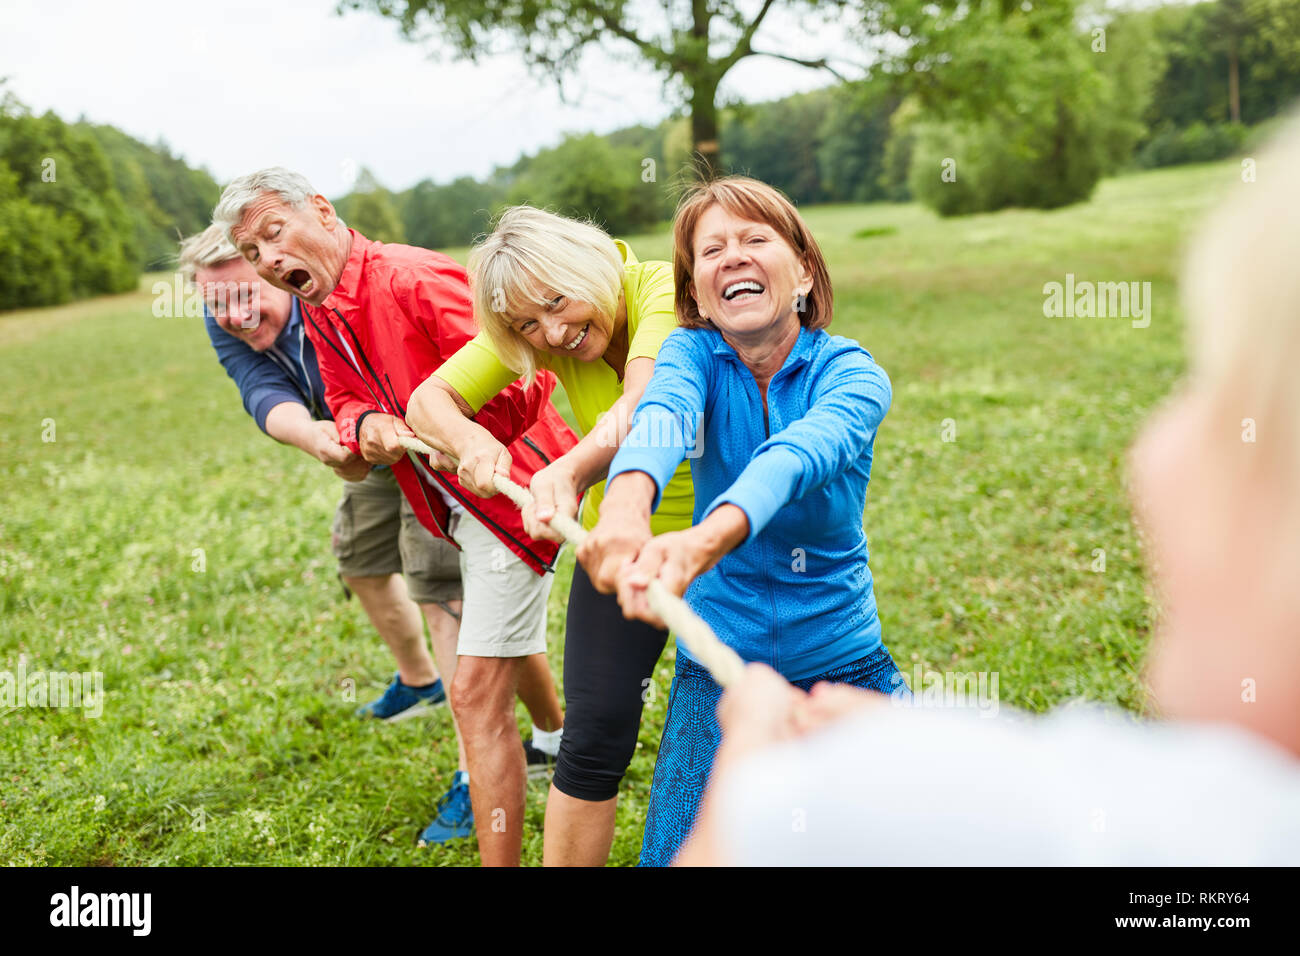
397	314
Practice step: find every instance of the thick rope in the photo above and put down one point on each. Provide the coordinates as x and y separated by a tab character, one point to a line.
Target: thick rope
717	658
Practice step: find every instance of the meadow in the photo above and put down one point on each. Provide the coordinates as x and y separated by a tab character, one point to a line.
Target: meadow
150	532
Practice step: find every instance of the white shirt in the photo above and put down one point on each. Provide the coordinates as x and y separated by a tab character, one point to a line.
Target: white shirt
1083	786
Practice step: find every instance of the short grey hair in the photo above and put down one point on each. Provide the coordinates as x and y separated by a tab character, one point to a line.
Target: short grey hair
293	188
205	250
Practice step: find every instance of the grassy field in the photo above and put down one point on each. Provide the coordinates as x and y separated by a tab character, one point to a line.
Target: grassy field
226	737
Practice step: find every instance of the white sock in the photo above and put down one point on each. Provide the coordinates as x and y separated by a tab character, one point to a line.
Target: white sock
547	741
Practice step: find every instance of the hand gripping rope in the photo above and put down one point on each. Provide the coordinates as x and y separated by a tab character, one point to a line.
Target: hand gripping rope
724	664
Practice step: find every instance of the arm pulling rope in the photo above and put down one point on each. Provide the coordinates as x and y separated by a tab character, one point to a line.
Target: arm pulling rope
717	658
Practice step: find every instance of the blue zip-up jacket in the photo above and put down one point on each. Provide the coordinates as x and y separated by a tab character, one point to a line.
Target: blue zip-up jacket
286	372
796	594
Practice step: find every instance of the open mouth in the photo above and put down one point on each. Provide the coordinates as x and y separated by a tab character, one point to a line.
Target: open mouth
250	323
300	280
580	338
742	291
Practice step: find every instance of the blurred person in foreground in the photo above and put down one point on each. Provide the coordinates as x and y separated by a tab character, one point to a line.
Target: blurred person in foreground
1217	781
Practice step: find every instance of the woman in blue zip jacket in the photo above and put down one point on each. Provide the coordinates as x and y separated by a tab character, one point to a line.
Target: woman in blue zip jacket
779	418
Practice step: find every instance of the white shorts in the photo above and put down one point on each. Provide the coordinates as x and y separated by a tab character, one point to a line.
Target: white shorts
504	614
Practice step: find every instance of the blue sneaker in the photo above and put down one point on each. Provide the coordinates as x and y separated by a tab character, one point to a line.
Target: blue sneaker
455	819
400	702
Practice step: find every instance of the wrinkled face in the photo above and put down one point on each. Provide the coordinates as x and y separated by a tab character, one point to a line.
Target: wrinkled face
295	248
563	326
747	278
243	305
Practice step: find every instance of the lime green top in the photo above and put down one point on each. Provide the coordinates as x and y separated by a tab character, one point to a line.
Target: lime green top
478	374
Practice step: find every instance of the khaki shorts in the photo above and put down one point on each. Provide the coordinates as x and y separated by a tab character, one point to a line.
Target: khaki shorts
376	533
504	614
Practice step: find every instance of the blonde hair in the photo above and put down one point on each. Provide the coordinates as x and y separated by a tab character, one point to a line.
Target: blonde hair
532	251
204	250
757	202
1241	293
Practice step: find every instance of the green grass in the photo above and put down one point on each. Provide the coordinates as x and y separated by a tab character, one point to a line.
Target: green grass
226	686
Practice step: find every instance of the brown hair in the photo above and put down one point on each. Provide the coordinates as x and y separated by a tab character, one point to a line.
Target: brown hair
757	202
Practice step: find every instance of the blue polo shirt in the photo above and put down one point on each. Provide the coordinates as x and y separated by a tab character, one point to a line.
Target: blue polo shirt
286	372
797	594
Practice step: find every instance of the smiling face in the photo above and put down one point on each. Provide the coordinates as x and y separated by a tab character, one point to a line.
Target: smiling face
562	326
747	279
243	305
300	249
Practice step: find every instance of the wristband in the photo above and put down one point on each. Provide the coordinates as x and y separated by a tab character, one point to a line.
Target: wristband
361	418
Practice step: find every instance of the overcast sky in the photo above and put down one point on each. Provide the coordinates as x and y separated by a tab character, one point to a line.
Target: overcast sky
242	84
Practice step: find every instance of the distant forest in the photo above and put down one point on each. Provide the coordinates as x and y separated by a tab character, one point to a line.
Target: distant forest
84	209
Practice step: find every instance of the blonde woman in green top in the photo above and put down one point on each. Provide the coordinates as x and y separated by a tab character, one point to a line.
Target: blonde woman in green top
558	294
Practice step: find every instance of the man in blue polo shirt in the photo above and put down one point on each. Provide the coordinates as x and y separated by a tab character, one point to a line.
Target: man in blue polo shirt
257	332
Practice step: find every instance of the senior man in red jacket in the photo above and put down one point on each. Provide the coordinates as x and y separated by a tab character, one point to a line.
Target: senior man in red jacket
383	317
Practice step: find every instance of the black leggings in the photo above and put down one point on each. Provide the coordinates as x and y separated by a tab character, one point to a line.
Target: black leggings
608	663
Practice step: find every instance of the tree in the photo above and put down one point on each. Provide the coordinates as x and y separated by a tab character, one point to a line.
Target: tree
587	177
700	41
1272	52
851	156
164	196
1014	103
83	208
35	247
777	143
1229	24
452	215
1223	61
62	168
370	209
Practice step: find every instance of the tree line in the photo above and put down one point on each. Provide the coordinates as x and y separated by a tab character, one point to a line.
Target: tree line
84	209
978	107
1001	103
